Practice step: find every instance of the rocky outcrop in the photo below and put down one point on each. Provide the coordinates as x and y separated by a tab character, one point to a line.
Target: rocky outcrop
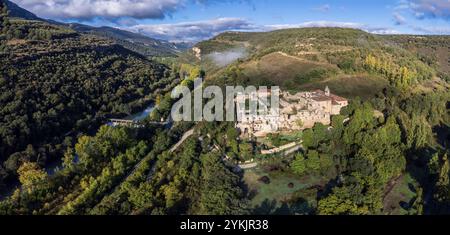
197	52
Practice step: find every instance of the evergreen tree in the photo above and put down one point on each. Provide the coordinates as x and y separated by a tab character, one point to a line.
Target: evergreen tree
4	25
442	187
31	175
4	22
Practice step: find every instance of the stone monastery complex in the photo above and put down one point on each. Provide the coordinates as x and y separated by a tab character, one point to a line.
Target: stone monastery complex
300	111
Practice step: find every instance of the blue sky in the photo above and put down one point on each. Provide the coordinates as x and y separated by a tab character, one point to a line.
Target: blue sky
194	20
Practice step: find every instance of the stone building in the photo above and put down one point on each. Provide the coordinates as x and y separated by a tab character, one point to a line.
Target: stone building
299	111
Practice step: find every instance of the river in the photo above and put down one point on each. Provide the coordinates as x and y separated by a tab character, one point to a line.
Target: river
53	167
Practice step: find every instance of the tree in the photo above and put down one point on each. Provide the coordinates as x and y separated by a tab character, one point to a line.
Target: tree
299	165
313	161
172	193
434	164
69	159
443	184
333	205
361	119
341	202
220	193
384	151
4	30
308	139
405	77
246	150
142	196
417	205
338	126
4	22
31	175
419	132
232	133
371	62
358	196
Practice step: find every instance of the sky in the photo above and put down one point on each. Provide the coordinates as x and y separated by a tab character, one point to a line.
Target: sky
196	20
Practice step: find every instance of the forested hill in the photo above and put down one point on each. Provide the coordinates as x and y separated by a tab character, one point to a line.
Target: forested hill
139	43
386	153
379	159
433	50
350	61
136	42
16	11
56	83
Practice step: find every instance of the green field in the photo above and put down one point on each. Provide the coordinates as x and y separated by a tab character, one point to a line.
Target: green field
277	197
280	69
296	74
363	86
401	196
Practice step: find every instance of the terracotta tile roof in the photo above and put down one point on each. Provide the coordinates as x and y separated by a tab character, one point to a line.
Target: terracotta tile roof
321	98
338	98
320	92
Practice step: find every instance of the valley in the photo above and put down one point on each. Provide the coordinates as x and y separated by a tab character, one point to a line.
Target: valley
382	150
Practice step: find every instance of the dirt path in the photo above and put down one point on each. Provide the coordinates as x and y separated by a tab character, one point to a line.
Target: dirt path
288	149
301	59
184	138
248	166
391	185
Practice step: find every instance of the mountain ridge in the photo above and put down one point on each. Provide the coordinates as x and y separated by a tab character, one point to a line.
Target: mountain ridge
139	43
59	83
17	11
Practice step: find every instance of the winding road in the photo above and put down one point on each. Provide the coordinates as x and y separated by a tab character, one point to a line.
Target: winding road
184	138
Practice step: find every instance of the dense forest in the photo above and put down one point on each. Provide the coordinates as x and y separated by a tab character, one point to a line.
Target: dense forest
433	50
56	83
132	171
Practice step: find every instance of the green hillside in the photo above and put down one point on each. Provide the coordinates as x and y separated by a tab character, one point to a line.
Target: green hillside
16	11
385	162
432	50
297	59
56	83
133	41
136	42
57	87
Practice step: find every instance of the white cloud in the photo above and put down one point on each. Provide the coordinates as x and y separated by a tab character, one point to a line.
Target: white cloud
202	30
433	30
88	9
316	24
424	9
110	9
399	19
321	24
225	58
427	8
323	8
193	31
